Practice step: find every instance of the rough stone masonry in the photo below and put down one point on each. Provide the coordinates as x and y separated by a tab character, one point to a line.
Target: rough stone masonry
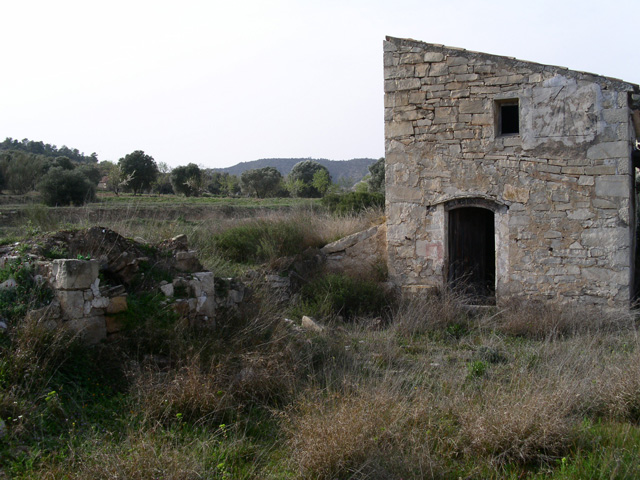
544	153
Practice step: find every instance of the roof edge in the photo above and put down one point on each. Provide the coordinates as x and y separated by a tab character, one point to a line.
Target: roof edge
622	84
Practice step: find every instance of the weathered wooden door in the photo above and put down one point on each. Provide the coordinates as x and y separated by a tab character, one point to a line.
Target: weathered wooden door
472	252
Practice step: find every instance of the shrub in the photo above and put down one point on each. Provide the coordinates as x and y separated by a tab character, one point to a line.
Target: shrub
338	294
260	240
63	187
353	202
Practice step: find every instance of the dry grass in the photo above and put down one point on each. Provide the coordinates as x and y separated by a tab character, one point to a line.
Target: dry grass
369	434
141	455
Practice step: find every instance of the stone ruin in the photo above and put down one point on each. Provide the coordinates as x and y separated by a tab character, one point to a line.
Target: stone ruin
88	305
509	178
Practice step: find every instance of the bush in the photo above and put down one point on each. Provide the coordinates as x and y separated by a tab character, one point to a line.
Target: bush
63	187
260	240
338	294
353	202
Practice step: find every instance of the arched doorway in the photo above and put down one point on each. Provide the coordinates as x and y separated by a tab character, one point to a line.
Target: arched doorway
472	252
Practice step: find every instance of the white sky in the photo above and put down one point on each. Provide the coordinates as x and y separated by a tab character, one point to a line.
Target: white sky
220	82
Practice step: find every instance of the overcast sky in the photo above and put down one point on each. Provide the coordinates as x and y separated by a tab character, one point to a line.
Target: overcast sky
220	82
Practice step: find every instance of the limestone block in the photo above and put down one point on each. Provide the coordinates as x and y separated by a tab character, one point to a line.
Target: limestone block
100	302
187	261
167	289
236	296
206	306
398	129
8	284
431	57
117	305
309	323
515	194
408	84
604	150
438	69
207	284
349	241
410	58
91	330
600	237
72	274
71	303
586	180
613	186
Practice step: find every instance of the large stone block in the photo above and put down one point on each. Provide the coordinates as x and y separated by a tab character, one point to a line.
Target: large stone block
117	305
205	282
71	274
613	186
71	303
90	330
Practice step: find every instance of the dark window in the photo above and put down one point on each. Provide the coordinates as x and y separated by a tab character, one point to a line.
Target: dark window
508	117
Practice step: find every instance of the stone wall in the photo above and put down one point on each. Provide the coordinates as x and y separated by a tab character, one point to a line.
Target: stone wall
90	310
561	189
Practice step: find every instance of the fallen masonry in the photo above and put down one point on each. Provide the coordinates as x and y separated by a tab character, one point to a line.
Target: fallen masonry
90	294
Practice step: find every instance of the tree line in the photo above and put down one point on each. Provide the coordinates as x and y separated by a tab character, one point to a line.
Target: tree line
62	180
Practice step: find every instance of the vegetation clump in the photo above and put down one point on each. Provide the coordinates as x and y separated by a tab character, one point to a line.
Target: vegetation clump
60	187
352	202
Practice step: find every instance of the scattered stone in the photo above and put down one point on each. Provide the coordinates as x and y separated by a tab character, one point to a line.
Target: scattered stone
167	289
7	284
309	323
187	262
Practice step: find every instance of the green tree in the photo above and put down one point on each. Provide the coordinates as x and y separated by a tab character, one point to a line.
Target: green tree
376	181
261	182
321	181
300	179
23	171
91	172
63	162
140	168
187	180
63	187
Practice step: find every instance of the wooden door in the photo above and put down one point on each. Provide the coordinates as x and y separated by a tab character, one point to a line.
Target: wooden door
472	252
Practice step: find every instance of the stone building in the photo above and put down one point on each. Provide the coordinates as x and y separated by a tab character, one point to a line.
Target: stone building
508	178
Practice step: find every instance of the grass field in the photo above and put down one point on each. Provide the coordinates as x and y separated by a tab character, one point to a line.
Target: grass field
399	388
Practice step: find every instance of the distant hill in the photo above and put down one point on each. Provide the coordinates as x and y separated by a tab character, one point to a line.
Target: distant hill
349	171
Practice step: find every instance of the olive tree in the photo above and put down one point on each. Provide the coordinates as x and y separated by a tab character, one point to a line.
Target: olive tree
187	180
140	168
261	182
301	179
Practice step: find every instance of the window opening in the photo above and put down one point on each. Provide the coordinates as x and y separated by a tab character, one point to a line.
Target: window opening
508	117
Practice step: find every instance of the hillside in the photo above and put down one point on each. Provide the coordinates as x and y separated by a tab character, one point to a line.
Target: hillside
352	170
